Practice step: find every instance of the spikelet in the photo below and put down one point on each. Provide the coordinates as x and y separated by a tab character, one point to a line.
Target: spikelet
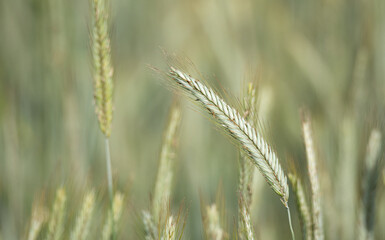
39	217
302	206
164	177
113	217
250	104
246	172
246	167
150	229
103	71
245	230
83	221
213	228
318	231
371	174
233	123
169	232
55	225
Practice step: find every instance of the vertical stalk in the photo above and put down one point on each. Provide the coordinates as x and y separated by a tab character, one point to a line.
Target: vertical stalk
110	187
109	172
290	224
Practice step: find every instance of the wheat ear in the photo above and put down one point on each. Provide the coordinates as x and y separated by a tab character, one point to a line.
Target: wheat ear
371	174
213	227
164	177
246	167
39	217
150	230
245	231
303	207
235	125
55	225
103	81
246	172
113	217
232	122
318	231
83	221
169	232
103	71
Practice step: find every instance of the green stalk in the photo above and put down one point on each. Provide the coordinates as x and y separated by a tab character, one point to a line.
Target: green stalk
110	186
290	224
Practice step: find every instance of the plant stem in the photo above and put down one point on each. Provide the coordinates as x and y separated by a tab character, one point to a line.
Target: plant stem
110	188
109	173
290	224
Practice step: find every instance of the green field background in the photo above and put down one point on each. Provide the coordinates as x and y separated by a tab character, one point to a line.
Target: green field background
325	55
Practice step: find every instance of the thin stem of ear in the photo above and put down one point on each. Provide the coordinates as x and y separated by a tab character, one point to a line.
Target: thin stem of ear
109	180
109	172
290	224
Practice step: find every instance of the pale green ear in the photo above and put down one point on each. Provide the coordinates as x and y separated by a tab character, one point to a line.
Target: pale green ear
164	178
56	219
38	219
316	209
303	209
83	220
112	221
103	70
240	130
246	171
103	90
169	232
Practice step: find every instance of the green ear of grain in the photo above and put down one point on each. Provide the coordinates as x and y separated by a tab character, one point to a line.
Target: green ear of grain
83	221
39	217
246	168
317	219
113	218
246	172
303	207
169	232
249	140
213	228
150	229
245	228
103	81
56	222
164	177
103	70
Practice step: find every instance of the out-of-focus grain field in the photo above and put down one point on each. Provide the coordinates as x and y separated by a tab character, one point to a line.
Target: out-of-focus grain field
324	56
